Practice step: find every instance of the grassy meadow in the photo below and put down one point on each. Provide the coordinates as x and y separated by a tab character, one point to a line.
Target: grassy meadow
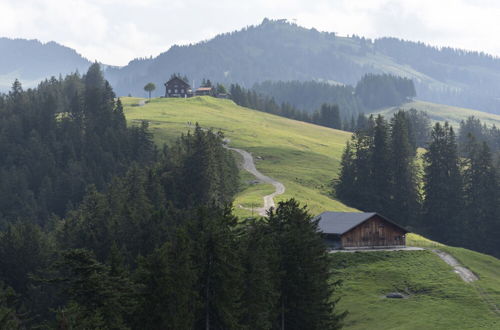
304	157
442	112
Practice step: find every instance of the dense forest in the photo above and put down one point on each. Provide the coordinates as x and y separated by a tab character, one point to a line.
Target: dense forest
452	195
58	138
333	106
277	50
108	232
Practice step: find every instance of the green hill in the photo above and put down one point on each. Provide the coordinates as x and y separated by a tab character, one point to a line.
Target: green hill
442	112
305	157
437	297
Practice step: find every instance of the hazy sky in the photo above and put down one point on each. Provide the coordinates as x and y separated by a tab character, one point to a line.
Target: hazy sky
116	31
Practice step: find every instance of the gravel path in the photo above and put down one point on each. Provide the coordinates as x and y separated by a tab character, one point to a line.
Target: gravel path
463	272
249	165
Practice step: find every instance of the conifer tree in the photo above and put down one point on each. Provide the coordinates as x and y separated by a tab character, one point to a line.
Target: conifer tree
380	163
404	206
217	263
259	260
443	187
305	294
482	195
167	280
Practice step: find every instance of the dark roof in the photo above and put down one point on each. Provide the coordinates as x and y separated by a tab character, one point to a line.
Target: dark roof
178	80
341	222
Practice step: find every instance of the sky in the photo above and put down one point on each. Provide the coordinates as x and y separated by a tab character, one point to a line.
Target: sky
117	31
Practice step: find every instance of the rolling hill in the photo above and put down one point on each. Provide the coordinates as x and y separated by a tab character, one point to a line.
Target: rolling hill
305	157
278	50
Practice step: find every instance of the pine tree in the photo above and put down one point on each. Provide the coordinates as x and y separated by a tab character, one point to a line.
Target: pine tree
305	300
404	206
482	196
217	263
380	163
259	260
167	278
443	187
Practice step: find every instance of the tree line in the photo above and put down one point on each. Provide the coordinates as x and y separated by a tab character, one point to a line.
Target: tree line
450	193
334	106
151	242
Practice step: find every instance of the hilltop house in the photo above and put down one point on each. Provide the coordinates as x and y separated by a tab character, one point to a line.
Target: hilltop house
354	230
176	87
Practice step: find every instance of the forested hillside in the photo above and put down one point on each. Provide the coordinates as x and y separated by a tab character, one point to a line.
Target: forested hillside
278	50
57	139
450	193
31	61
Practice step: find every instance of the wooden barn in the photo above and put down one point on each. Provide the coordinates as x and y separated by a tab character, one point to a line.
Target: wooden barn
354	230
176	87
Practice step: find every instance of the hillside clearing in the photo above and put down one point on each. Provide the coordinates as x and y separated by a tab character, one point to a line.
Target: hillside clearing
304	157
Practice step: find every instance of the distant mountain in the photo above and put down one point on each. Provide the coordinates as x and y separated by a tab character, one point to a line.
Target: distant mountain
31	61
279	50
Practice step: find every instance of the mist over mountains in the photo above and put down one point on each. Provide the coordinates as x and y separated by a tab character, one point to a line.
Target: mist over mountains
32	61
277	50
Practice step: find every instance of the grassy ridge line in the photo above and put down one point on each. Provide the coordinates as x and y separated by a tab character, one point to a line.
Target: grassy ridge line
442	112
304	157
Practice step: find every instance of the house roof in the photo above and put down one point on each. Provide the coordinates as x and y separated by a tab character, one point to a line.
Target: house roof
341	222
178	80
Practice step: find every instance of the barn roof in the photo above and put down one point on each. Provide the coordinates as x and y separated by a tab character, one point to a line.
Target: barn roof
341	222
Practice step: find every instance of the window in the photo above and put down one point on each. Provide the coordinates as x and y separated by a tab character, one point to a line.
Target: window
182	90
169	91
176	91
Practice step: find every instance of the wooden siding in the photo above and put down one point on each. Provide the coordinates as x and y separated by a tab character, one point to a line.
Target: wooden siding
374	232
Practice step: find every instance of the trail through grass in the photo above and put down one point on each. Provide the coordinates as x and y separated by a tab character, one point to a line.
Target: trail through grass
304	157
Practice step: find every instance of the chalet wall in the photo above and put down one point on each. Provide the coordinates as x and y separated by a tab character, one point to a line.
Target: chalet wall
374	232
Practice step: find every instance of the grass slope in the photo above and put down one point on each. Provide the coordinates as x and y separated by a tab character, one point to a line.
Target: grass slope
441	112
304	157
437	297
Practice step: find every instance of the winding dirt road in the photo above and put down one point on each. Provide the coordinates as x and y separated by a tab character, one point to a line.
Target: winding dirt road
249	165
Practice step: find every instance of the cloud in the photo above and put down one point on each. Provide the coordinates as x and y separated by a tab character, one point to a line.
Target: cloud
116	31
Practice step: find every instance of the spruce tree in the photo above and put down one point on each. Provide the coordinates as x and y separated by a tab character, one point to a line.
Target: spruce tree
305	294
259	261
380	163
404	206
216	261
482	196
443	186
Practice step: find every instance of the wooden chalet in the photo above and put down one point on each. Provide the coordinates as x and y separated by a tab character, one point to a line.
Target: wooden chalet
176	87
354	230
